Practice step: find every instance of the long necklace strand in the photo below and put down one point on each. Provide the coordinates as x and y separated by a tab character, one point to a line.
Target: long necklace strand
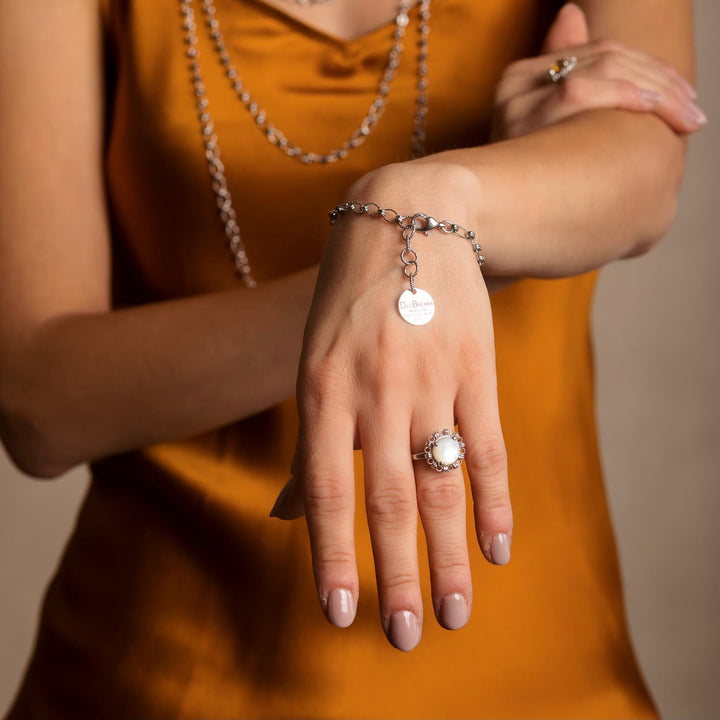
277	137
216	168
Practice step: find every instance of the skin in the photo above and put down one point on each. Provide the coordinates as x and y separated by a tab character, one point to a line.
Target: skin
55	298
349	394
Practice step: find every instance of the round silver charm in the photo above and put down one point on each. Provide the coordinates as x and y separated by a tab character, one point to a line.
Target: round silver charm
416	308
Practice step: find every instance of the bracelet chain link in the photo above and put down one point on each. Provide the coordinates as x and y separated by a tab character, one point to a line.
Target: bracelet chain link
409	224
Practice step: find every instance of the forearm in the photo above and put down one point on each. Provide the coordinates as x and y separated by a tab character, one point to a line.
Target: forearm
574	196
557	202
85	386
600	185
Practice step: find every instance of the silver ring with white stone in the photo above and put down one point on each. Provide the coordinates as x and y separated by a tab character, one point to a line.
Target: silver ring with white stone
444	451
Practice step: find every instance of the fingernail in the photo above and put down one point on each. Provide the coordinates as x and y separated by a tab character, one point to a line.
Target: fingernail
500	549
452	613
694	114
340	608
691	91
280	499
404	631
650	98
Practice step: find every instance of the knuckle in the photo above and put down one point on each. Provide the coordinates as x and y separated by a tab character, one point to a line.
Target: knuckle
386	372
399	583
472	350
444	495
323	377
490	458
607	64
428	367
327	497
575	90
519	66
628	91
455	565
609	45
332	557
391	506
495	502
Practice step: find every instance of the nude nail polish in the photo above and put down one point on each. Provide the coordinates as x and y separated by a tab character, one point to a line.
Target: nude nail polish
500	549
404	630
452	613
689	88
340	607
650	98
694	114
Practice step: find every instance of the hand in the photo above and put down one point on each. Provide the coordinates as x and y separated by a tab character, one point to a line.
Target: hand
608	75
369	379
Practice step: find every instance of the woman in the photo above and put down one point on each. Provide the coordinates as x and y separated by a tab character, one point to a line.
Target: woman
177	596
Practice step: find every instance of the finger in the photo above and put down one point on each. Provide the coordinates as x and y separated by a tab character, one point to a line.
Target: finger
326	465
568	29
616	62
391	508
441	502
647	60
545	106
676	106
476	410
530	73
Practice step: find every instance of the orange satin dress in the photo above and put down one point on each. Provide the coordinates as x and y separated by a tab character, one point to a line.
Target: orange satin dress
178	597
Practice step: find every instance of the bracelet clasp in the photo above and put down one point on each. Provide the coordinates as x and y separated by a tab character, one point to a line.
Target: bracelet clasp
426	224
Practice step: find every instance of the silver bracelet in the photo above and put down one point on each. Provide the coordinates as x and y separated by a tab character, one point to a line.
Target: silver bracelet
416	306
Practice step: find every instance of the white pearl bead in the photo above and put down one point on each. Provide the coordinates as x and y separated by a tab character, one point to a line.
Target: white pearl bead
446	450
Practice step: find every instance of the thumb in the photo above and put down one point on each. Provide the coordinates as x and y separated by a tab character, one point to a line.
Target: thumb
568	29
289	504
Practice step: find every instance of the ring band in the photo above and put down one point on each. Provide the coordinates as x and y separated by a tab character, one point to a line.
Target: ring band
444	451
561	68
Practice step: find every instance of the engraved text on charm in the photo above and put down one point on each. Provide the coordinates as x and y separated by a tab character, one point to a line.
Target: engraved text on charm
416	308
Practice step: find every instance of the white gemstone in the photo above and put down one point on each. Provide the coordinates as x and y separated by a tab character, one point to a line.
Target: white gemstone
446	450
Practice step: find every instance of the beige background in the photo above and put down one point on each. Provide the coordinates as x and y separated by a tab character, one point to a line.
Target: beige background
657	351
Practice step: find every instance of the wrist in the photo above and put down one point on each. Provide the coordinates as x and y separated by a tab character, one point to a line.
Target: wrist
445	190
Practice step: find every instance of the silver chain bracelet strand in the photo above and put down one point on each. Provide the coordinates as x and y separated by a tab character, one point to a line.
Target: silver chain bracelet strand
416	306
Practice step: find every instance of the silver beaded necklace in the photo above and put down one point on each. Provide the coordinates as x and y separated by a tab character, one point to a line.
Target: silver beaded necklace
275	136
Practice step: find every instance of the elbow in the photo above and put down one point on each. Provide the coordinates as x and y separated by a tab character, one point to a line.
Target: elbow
658	227
649	239
28	438
664	184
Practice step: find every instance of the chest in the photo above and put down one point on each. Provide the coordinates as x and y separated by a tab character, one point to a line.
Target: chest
308	83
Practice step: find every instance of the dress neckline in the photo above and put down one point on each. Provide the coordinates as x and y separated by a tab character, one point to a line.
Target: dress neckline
319	32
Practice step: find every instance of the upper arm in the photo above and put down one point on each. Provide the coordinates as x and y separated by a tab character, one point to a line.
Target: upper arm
661	27
54	239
